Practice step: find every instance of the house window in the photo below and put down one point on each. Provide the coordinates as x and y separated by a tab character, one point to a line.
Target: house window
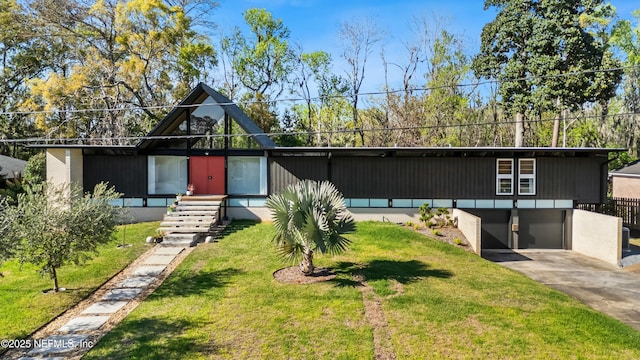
247	175
504	177
526	176
167	174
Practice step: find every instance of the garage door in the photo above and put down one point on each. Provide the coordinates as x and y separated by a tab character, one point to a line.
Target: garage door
495	227
541	229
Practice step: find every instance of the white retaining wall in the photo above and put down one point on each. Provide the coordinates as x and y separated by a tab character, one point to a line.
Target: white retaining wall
598	236
470	226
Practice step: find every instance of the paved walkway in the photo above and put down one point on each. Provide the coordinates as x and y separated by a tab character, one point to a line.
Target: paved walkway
606	288
110	304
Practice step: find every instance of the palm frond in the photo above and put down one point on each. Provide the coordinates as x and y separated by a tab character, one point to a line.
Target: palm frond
310	215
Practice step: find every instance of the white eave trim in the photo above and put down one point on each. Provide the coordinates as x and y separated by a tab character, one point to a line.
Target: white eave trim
624	175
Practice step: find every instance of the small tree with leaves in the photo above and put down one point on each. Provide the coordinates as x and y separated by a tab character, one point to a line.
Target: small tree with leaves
440	218
310	217
52	226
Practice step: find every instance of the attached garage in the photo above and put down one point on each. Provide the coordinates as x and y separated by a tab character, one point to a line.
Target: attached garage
523	228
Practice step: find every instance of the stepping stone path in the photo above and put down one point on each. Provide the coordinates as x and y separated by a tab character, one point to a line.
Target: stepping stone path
73	336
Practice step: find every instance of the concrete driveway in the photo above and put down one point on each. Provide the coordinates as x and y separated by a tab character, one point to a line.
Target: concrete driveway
606	288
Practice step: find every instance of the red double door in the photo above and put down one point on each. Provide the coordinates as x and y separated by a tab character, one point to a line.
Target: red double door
206	173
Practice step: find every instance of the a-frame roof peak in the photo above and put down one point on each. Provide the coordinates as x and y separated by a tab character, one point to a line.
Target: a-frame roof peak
196	97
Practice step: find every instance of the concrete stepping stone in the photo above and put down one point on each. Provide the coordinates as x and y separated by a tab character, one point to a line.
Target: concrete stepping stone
168	250
57	344
122	294
148	270
137	282
159	259
84	323
105	307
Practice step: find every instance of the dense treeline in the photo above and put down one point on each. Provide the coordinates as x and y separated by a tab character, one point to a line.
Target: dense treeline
564	74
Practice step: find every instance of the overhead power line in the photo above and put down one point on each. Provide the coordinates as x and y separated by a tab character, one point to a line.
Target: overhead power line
317	98
133	139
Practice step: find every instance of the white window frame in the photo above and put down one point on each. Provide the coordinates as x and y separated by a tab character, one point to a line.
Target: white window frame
527	176
504	176
166	174
244	177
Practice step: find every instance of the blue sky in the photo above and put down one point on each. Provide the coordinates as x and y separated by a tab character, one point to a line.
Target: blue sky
314	23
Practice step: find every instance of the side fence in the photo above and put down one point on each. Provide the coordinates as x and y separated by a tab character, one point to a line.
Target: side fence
626	208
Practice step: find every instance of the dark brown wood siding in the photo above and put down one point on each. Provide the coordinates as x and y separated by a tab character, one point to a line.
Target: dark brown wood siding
284	171
415	177
578	178
127	173
575	178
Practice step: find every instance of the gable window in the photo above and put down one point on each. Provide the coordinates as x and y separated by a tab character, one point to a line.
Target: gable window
526	176
504	177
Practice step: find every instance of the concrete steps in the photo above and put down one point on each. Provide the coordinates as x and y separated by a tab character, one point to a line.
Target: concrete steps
194	218
182	207
192	223
202	213
199	203
178	239
184	229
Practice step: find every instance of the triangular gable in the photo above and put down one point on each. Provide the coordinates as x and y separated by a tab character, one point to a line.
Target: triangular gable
198	95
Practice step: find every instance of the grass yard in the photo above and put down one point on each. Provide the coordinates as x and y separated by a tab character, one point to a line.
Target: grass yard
438	301
23	305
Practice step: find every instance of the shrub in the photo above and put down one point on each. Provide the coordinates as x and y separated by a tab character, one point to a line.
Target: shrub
440	218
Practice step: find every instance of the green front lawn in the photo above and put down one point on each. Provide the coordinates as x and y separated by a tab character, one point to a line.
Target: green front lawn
23	305
437	300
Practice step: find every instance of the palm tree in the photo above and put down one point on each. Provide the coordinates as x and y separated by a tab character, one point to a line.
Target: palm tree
310	216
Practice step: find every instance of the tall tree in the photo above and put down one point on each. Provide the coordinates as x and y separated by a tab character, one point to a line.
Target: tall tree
263	60
358	41
22	57
312	69
505	54
626	36
116	56
446	103
531	48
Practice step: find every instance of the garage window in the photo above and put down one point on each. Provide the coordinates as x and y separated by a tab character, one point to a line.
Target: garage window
526	176
504	177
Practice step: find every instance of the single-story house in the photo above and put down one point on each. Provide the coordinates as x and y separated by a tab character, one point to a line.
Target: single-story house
625	181
9	167
525	197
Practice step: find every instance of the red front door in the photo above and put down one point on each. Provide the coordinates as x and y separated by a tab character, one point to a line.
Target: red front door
206	173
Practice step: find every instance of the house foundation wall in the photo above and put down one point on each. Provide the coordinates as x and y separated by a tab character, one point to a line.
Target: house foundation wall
394	215
598	236
144	214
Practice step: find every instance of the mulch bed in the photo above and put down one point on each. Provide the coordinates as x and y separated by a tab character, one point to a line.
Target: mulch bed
293	275
447	234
